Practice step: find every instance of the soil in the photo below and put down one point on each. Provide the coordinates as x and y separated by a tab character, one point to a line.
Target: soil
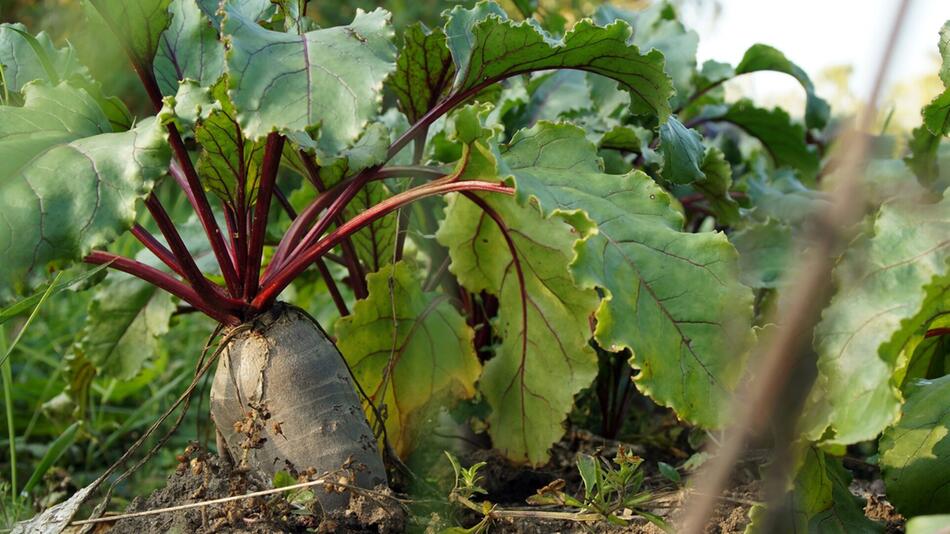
201	477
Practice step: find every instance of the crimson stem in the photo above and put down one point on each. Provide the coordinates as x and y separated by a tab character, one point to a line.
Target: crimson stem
282	278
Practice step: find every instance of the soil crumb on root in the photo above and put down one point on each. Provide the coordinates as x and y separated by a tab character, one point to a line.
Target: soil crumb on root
201	476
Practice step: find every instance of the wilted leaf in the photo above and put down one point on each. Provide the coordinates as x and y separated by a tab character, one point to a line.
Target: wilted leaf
428	360
887	290
125	319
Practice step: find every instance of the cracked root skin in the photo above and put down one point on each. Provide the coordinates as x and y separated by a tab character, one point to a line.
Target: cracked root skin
282	393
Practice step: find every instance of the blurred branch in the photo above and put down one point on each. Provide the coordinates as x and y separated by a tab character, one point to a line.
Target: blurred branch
811	291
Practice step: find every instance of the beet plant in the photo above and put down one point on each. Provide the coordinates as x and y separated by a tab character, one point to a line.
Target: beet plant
486	206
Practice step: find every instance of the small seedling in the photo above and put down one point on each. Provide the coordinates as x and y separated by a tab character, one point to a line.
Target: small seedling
612	490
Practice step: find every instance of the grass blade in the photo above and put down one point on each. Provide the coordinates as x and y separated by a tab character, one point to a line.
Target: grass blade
56	449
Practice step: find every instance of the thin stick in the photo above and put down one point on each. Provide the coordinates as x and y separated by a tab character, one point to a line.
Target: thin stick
202	504
812	286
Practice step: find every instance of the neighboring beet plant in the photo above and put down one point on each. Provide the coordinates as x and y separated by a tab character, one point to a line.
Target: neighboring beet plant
487	208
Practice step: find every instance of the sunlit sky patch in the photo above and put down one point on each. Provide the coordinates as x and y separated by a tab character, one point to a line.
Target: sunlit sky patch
818	34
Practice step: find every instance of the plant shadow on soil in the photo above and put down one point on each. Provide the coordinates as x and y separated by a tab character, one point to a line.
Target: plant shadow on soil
201	476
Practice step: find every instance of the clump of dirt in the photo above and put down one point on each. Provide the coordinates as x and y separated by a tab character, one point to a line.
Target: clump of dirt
202	477
878	508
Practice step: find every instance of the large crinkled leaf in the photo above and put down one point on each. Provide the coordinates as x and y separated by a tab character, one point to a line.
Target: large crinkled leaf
23	61
188	48
428	361
550	340
671	297
331	78
819	502
887	290
424	71
783	139
683	153
915	453
67	184
543	328
139	24
487	47
125	320
760	57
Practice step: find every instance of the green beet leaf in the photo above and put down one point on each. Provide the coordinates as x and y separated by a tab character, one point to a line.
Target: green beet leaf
138	24
887	290
673	298
543	325
782	139
764	253
24	58
331	78
915	453
937	114
487	47
375	244
424	71
657	27
762	57
683	153
68	183
253	10
716	186
124	322
410	350
819	502
188	48
228	158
